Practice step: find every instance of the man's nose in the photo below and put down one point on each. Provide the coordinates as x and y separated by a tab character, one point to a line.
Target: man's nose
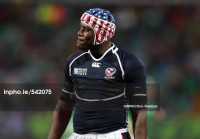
80	32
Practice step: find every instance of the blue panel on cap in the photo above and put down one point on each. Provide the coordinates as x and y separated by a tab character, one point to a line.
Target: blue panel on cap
102	14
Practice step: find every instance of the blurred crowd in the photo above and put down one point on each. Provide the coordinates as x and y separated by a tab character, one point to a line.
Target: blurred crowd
36	39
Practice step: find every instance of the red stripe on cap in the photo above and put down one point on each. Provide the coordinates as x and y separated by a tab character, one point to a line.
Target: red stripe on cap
94	22
88	19
103	35
83	16
106	30
99	29
111	32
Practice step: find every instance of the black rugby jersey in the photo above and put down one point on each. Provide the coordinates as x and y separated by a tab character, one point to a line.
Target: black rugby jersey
102	88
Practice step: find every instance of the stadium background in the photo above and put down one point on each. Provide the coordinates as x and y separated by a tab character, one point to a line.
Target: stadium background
36	38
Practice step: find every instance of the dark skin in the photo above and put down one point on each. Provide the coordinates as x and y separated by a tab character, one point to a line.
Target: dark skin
139	124
63	111
85	41
61	117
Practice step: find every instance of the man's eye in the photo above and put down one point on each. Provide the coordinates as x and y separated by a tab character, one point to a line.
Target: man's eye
85	29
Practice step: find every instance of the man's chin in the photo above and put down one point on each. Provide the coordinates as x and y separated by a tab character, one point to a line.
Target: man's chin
82	47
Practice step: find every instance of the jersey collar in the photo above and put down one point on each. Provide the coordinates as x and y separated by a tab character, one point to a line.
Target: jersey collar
98	59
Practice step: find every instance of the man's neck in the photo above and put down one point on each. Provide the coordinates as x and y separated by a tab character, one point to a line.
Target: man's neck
101	49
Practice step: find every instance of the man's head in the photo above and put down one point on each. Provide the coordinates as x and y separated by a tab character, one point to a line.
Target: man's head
97	26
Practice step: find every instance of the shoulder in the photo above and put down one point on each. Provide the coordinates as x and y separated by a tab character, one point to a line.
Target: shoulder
134	69
129	59
75	55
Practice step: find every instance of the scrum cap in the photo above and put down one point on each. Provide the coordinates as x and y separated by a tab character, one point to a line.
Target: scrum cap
102	22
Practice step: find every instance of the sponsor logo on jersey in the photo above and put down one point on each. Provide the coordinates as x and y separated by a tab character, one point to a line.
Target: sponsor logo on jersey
109	73
80	71
96	65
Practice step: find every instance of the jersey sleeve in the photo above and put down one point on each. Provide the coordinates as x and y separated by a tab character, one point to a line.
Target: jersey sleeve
135	78
67	93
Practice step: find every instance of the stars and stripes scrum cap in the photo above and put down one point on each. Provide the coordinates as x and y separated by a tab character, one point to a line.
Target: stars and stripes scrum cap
102	22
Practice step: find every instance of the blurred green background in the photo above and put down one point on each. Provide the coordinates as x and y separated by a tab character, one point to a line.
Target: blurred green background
37	37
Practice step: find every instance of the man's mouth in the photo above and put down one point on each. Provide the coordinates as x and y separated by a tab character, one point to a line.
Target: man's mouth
80	40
